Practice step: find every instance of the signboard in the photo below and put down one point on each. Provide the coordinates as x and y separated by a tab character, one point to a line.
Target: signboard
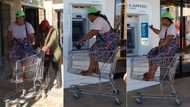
34	2
144	33
144	30
138	7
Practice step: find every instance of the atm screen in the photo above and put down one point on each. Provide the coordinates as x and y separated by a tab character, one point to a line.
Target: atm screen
131	38
78	30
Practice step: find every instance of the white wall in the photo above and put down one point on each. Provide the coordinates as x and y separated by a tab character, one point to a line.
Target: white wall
48	5
154	20
107	8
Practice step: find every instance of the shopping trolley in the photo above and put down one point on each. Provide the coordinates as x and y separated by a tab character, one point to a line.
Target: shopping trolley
112	91
27	71
165	76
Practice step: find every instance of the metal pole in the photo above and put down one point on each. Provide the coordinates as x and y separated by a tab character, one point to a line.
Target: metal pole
1	35
181	35
122	18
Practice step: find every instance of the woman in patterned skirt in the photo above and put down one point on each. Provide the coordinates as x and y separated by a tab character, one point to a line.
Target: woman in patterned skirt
167	45
105	40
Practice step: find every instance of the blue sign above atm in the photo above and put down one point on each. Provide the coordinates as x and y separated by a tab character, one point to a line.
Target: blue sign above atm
144	30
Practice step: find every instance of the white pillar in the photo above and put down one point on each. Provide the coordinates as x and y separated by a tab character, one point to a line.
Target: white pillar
67	38
48	5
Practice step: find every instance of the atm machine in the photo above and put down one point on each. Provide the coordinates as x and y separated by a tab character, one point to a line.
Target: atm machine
76	25
80	26
130	39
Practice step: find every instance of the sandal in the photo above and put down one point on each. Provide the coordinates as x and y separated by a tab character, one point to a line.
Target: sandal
146	77
85	72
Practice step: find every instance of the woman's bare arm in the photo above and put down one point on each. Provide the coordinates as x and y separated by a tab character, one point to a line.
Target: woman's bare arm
89	35
157	31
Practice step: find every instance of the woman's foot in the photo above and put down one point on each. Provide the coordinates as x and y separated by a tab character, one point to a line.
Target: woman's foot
89	72
147	77
85	72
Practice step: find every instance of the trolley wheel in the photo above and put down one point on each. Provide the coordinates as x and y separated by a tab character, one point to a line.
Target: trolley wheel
139	93
116	92
76	96
75	87
139	100
38	83
117	101
18	105
178	102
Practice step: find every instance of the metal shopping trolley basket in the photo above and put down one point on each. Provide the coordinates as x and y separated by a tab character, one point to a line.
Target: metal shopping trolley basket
28	71
165	75
111	90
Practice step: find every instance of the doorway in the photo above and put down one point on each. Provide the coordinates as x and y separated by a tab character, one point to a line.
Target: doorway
32	16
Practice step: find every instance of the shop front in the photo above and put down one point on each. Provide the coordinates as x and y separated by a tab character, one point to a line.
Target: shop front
141	14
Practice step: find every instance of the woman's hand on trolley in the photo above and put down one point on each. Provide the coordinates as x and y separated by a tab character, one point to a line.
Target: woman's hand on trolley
46	50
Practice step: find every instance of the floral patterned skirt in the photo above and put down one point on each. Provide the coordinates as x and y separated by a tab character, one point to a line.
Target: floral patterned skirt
104	47
168	51
20	50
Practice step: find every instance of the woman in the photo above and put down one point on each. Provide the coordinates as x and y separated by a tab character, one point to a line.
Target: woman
167	45
20	37
105	40
52	50
20	40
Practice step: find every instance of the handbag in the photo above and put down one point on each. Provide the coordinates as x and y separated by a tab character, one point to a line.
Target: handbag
57	53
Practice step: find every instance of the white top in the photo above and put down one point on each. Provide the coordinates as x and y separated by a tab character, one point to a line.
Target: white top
19	31
101	25
171	30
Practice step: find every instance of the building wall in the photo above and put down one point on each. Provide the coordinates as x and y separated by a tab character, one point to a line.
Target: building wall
8	16
150	15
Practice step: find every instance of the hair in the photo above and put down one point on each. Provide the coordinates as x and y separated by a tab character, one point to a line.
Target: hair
171	21
99	14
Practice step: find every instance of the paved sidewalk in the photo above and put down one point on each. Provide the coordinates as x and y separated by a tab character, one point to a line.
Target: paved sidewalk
182	87
54	99
96	101
8	90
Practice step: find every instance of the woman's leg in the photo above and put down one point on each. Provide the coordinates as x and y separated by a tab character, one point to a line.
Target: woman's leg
152	71
93	66
47	63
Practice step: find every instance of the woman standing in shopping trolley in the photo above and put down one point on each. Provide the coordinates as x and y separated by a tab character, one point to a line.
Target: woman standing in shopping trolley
167	45
105	39
20	38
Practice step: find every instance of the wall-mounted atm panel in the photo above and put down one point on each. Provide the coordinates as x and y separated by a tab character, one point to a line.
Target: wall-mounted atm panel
79	28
